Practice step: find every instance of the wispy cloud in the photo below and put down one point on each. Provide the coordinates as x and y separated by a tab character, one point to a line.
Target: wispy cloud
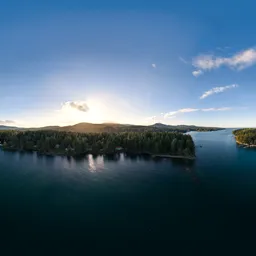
78	105
153	65
216	109
238	61
6	122
217	90
172	114
197	73
187	110
183	60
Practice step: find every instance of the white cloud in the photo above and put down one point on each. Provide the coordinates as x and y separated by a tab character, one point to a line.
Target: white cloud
173	114
217	90
78	105
215	109
170	114
239	61
187	110
154	65
6	122
197	73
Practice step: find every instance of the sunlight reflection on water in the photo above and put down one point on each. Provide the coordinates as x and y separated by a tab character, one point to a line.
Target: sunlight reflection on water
91	164
100	162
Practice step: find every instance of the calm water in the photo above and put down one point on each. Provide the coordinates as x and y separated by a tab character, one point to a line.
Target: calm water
131	197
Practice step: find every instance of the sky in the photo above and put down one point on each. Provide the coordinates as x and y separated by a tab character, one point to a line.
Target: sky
132	62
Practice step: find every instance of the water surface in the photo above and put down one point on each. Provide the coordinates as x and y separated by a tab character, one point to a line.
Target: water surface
212	197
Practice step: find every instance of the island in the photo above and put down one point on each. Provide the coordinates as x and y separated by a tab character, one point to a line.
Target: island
246	137
51	142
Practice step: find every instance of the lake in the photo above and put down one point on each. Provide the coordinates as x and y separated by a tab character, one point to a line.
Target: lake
53	198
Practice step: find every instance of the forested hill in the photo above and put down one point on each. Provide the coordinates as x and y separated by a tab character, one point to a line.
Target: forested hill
70	143
112	127
4	127
246	136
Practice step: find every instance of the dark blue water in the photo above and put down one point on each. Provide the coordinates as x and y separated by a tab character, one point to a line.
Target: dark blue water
213	197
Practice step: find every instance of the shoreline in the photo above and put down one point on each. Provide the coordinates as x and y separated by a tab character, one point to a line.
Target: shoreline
65	154
174	156
245	144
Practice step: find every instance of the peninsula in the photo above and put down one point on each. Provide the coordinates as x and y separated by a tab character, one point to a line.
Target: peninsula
246	137
163	144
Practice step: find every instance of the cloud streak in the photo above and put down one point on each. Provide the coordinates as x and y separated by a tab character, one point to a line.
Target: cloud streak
153	65
6	122
215	109
183	60
238	61
216	90
172	114
78	105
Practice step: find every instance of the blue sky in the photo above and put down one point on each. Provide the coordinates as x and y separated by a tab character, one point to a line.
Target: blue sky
189	62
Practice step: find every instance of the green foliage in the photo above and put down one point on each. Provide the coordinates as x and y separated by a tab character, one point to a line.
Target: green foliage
69	143
246	136
114	128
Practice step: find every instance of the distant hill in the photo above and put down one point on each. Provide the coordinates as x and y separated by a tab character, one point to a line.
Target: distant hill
160	125
185	127
3	127
46	128
114	127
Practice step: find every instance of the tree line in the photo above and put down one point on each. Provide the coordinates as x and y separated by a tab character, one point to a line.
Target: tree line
70	143
246	136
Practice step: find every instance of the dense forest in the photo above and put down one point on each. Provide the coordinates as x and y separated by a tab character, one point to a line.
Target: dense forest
115	127
70	143
246	136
